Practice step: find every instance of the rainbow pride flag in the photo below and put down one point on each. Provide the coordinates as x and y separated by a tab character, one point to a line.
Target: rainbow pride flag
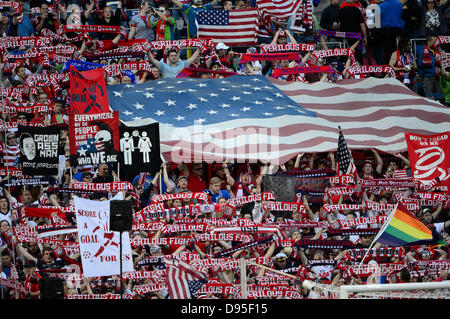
402	228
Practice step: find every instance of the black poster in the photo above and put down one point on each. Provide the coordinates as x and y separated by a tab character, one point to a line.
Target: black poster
39	150
139	150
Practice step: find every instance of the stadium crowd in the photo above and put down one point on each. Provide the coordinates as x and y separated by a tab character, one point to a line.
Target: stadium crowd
316	241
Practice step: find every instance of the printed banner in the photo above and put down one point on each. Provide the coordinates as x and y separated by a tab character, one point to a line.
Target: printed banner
39	150
80	65
88	91
94	138
100	247
430	158
139	149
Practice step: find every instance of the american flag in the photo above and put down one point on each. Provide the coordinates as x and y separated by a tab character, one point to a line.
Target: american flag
281	9
344	157
403	173
232	27
261	118
182	280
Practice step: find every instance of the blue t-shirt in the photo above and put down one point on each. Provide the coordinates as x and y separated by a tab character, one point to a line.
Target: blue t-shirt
25	28
215	197
391	14
191	13
170	72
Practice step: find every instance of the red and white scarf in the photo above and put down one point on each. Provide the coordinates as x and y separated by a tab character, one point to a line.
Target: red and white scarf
164	197
115	69
367	69
264	196
359	253
321	54
38	41
353	222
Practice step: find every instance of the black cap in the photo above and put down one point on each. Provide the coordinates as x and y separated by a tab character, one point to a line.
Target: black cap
58	99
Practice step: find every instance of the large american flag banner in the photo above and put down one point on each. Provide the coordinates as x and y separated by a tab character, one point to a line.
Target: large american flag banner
261	118
281	9
182	280
232	27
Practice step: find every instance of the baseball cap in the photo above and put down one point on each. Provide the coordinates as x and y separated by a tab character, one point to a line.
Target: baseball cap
251	50
222	46
280	255
58	99
181	177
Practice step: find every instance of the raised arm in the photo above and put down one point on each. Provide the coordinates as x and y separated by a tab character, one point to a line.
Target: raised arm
379	161
90	9
194	56
230	180
150	56
297	160
404	159
291	37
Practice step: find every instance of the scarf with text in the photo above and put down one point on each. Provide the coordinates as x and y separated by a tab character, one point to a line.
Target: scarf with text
264	196
116	69
196	73
227	252
157	211
198	196
340	34
33	41
91	28
160	241
368	69
357	254
251	57
285	206
321	54
58	38
324	244
278	72
38	108
442	39
288	47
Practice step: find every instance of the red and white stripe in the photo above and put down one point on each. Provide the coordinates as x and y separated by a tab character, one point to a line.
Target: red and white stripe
241	30
10	154
178	274
401	174
282	9
373	113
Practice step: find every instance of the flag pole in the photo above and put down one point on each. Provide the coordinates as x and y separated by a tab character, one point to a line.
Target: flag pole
385	224
243	278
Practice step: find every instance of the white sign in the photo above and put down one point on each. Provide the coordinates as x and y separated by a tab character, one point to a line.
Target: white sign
100	247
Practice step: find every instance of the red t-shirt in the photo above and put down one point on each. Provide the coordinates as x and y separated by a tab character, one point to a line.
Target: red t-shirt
195	184
31	284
